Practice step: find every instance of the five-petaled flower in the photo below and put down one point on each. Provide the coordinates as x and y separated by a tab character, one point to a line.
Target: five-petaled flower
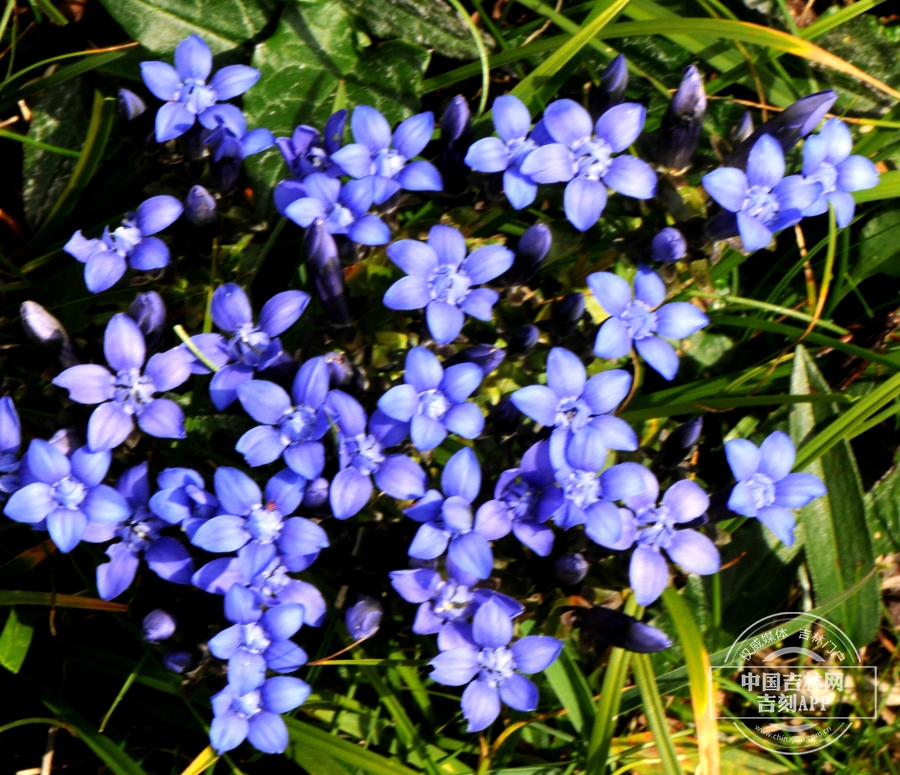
441	278
641	320
128	393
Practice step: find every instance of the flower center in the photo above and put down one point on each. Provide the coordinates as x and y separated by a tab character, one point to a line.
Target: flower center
452	600
133	390
388	163
246	705
264	523
520	500
583	488
363	453
763	490
140	532
339	218
519	149
496	664
298	425
255	638
126	237
448	284
594	158
827	175
639	319
433	404
572	413
69	493
659	526
196	96
248	345
760	204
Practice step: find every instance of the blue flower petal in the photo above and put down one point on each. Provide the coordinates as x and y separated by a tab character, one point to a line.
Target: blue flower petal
552	163
631	176
193	59
413	134
727	186
649	575
621	125
567	122
480	705
419	176
679	319
162	418
172	120
349	493
659	356
511	118
445	321
87	383
370	128
490	154
161	79
743	458
233	80
765	164
108	427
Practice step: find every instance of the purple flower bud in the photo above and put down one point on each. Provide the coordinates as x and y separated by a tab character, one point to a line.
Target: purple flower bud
130	105
611	91
456	138
178	660
506	416
224	171
525	338
364	618
571	568
788	127
148	310
456	120
682	123
568	311
533	247
340	370
485	356
158	626
316	494
200	206
744	128
41	326
668	246
679	444
619	629
326	271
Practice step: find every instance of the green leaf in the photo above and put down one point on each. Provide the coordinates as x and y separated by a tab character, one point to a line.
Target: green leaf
160	25
656	715
572	690
883	512
311	56
427	23
14	642
834	527
878	250
10	597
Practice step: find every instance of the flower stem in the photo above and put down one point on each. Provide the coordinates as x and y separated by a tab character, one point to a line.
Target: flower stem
197	353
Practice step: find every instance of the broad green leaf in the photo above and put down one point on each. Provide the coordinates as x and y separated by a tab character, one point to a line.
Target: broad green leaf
160	25
310	57
572	690
883	513
427	23
878	251
14	642
834	527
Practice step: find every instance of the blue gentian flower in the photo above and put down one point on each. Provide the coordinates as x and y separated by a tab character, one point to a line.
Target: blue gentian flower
762	199
641	321
182	499
433	400
492	668
344	210
252	347
65	496
363	618
517	505
306	151
185	91
10	441
126	393
505	153
444	603
668	246
230	143
766	488
585	497
441	278
447	522
140	534
258	527
257	640
361	457
571	403
131	244
583	156
658	530
384	162
293	424
827	161
254	716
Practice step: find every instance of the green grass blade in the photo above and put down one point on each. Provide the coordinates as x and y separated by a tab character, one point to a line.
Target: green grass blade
26	140
725	404
656	715
10	597
888	188
572	690
15	641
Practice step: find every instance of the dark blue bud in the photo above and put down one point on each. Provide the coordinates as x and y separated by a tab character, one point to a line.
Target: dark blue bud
621	630
486	356
505	416
158	625
682	124
364	618
788	127
340	370
571	568
41	326
679	444
130	105
744	128
148	310
316	494
456	137
611	91
568	310
200	206
334	130
225	172
532	249
668	246
178	660
326	272
456	121
524	339
194	141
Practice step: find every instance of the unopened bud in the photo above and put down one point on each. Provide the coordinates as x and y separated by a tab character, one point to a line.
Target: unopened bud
316	494
148	310
571	568
679	444
485	356
533	247
340	370
158	626
130	105
326	271
456	137
525	338
611	91
506	416
668	246
744	128
621	630
178	660
41	326
568	311
200	206
364	618
682	124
